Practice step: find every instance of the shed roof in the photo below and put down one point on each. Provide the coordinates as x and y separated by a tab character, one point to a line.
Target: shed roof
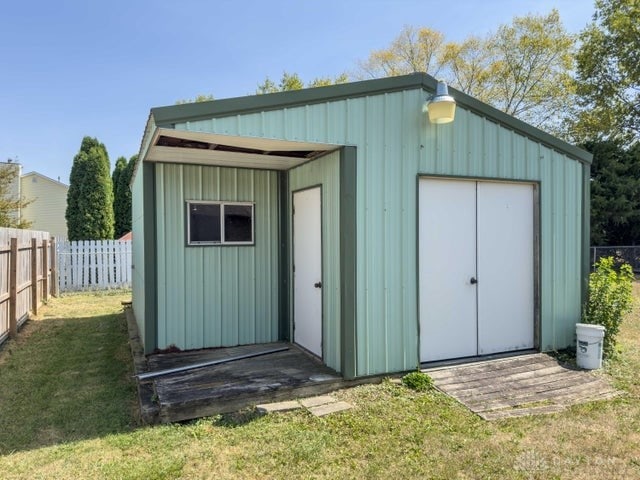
170	115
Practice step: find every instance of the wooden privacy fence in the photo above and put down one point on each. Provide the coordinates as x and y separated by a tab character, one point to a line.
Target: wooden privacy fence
27	267
94	264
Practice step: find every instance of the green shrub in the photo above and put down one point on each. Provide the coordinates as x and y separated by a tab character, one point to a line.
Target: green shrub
610	297
418	381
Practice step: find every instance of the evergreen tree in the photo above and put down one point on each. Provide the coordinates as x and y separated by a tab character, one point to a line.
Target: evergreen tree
122	195
90	199
121	166
615	193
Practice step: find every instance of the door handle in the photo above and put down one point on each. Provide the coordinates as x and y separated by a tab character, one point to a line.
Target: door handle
318	284
473	280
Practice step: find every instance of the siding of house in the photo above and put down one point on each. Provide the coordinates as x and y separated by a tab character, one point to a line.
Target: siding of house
325	171
211	296
48	204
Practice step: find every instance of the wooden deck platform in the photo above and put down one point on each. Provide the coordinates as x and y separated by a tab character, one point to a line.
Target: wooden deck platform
521	385
232	386
228	387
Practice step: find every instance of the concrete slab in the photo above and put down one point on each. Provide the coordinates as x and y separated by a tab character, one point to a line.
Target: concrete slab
279	406
322	410
316	401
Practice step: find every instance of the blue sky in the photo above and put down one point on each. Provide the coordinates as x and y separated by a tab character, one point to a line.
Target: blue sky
75	68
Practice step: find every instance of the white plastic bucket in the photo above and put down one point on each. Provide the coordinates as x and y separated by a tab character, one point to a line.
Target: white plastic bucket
589	345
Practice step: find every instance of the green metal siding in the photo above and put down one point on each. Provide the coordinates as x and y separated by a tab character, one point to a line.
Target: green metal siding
476	147
395	143
210	296
325	171
137	254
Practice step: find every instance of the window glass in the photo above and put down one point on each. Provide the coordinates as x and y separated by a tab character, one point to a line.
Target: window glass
238	224
204	223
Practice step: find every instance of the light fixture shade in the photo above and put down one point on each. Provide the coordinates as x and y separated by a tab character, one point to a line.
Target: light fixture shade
442	107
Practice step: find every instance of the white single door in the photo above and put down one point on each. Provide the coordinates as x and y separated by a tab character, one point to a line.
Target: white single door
505	267
447	265
307	270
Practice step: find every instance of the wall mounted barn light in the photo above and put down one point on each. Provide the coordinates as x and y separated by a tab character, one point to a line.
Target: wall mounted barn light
442	106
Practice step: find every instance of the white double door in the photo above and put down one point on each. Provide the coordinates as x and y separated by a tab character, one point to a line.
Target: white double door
476	268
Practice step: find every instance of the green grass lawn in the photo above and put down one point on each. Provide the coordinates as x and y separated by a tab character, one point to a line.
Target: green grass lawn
67	410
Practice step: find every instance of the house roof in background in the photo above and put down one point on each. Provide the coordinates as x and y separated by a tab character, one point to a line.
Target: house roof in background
44	177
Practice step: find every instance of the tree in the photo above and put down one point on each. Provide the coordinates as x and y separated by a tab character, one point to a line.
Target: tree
615	193
199	98
469	66
292	81
522	69
608	73
529	76
90	198
413	50
10	201
121	179
327	81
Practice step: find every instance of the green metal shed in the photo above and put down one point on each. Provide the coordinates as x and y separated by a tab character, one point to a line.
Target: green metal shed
341	219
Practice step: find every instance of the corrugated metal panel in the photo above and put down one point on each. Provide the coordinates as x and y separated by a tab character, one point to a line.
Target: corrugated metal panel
495	152
137	253
396	143
212	296
325	171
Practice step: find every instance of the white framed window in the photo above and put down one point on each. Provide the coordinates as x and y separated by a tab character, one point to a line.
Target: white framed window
220	223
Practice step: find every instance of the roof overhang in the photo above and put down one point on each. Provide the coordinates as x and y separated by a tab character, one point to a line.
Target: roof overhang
202	148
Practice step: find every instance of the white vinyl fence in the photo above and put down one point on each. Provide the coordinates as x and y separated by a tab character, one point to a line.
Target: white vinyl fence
94	265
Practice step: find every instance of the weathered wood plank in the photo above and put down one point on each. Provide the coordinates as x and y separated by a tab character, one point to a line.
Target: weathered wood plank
557	394
521	412
507	388
523	392
34	276
509	382
13	289
469	373
230	387
520	374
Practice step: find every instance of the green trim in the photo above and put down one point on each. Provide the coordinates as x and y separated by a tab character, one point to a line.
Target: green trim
170	115
150	260
284	323
537	266
586	231
348	261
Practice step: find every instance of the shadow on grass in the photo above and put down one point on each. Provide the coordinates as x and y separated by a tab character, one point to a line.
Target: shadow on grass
66	379
238	419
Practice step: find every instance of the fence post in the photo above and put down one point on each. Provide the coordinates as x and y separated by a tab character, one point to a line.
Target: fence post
13	290
45	270
54	268
34	276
